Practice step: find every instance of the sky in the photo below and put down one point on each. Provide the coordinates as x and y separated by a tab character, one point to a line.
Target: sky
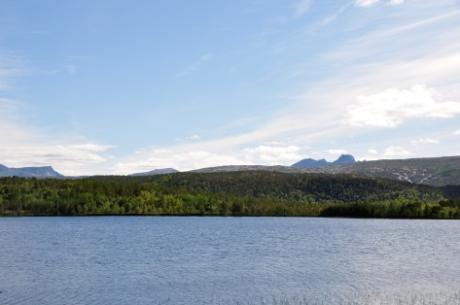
118	86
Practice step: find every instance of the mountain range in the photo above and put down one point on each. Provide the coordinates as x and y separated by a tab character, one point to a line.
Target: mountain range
438	171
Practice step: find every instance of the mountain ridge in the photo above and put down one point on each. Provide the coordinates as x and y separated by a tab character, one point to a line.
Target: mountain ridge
312	163
29	172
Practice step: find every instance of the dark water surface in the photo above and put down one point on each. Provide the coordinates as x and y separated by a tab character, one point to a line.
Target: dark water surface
172	260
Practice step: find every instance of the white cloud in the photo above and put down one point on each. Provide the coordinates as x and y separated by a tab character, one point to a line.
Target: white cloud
457	133
301	7
193	137
372	151
393	106
58	154
175	157
425	141
396	2
194	156
265	154
396	152
366	3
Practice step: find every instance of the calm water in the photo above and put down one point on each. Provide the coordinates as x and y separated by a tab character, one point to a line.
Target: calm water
152	260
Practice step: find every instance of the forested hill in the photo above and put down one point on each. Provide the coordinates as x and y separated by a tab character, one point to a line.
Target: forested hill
287	186
234	193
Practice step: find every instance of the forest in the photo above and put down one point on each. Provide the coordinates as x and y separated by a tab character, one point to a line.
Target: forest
228	194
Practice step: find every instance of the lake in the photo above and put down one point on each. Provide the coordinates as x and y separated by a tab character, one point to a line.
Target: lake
192	260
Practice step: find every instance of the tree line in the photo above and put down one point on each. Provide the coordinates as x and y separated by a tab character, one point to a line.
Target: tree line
226	194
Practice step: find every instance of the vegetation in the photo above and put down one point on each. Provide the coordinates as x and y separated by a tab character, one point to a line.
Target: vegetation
227	194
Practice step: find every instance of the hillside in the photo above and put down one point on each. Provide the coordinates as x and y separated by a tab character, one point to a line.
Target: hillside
431	171
160	171
242	168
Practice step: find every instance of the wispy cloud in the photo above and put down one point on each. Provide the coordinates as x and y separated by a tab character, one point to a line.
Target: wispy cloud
424	141
369	3
366	3
196	65
193	137
301	7
10	68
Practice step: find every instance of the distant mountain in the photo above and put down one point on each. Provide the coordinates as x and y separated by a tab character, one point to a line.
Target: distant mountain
312	163
160	171
29	172
345	159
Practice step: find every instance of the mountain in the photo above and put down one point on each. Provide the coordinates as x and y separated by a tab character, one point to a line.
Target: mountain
160	171
29	172
312	163
431	171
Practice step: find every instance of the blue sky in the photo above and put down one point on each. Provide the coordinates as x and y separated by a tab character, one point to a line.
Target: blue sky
115	87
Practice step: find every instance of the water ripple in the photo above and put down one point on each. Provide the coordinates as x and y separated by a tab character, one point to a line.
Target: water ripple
191	261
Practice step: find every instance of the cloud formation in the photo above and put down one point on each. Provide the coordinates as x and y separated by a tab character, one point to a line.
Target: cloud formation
23	145
193	156
366	3
395	151
393	106
369	3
